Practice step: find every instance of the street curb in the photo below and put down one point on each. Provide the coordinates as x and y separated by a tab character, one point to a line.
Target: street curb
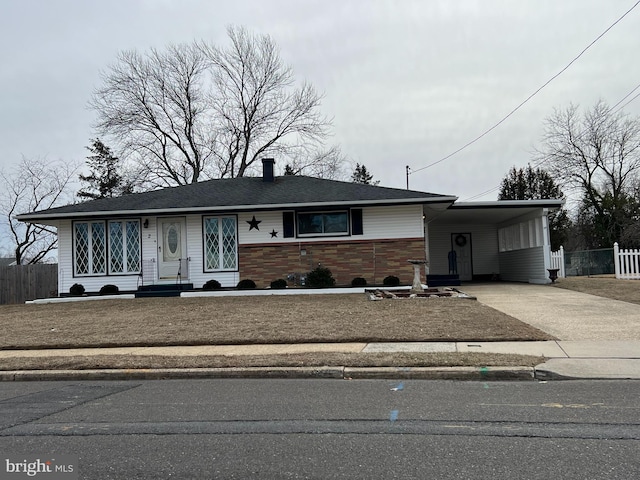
173	373
347	373
441	373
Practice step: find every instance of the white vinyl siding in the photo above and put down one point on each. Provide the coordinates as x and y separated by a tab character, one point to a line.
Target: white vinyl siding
392	222
524	265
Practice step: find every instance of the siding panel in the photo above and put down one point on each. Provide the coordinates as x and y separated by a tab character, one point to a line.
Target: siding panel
525	265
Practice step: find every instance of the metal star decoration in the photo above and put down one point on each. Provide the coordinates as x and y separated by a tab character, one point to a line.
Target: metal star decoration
253	223
274	234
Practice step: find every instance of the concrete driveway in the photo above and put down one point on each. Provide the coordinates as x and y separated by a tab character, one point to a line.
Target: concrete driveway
563	313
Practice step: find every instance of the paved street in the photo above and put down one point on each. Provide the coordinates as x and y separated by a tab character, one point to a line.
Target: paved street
272	429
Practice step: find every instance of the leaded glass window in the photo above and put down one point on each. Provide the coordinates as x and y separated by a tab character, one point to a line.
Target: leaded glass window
116	247
220	243
124	246
102	248
90	248
82	248
98	248
133	245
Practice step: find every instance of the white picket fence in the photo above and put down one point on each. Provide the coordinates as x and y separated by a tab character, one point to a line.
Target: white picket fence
557	261
627	263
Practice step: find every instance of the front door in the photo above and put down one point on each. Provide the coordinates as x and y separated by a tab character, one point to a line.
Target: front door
461	245
172	247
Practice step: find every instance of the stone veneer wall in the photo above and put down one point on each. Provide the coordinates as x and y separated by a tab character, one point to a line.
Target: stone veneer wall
373	260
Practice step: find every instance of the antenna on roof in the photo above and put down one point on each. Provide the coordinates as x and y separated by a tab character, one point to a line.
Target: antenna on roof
408	172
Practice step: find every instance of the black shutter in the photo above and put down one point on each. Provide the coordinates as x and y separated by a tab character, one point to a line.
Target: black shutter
288	224
356	221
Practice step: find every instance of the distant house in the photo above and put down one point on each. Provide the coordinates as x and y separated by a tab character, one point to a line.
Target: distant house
7	261
266	228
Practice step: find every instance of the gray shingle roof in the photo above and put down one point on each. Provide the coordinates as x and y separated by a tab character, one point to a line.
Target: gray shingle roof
245	193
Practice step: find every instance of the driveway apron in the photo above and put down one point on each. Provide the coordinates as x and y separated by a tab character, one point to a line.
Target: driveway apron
566	314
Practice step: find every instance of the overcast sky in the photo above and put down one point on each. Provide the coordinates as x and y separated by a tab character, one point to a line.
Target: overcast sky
406	82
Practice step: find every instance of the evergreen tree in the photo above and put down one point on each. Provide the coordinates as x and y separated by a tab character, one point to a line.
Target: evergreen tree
530	184
362	175
104	180
288	170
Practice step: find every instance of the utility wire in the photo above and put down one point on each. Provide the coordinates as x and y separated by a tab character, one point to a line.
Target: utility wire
530	96
578	137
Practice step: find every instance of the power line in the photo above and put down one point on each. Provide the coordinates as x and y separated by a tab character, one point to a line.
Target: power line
530	96
578	137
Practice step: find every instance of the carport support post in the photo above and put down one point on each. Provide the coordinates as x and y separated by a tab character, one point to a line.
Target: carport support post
546	243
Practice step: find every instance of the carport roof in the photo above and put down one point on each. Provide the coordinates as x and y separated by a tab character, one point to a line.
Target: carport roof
494	212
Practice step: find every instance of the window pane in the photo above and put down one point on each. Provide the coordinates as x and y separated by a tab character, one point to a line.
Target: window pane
211	244
335	222
133	246
323	223
98	250
229	243
82	248
116	248
309	223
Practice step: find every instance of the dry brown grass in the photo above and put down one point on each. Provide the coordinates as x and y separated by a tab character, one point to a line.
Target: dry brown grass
248	320
603	286
399	359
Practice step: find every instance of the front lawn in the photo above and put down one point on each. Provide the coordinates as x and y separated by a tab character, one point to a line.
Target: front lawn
247	320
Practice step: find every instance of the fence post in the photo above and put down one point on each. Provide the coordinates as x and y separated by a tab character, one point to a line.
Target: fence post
562	269
616	259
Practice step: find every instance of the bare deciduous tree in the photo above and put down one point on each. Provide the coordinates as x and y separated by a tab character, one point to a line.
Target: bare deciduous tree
199	111
596	154
327	163
155	106
34	184
259	110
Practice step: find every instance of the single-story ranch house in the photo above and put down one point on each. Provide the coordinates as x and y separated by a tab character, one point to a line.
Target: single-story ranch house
267	228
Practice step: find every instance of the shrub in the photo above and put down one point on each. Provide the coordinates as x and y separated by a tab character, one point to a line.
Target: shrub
212	285
246	284
279	283
320	278
391	281
359	282
109	290
77	289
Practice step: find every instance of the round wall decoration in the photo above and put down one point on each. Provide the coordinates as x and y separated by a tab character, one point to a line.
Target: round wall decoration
461	240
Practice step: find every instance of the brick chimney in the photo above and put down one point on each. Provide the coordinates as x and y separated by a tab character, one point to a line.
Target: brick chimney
267	169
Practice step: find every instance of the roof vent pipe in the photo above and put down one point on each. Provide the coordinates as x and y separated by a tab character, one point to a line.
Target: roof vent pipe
267	169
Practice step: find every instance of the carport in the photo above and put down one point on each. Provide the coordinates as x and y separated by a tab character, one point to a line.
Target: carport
507	240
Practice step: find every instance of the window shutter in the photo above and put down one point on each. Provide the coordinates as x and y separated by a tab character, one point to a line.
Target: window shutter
288	224
356	221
